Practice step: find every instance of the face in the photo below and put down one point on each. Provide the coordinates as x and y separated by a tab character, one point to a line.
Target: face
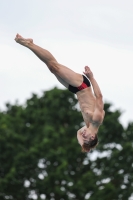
84	136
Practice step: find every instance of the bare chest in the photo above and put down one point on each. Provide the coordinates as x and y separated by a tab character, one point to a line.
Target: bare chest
87	116
86	100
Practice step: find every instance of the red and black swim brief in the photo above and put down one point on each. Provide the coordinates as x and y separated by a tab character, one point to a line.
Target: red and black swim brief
85	84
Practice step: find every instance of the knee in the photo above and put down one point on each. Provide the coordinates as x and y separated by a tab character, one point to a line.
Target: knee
53	67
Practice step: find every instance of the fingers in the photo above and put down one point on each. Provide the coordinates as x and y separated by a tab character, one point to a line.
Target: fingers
87	69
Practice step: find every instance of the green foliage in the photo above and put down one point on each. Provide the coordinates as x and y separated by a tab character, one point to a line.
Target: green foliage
39	152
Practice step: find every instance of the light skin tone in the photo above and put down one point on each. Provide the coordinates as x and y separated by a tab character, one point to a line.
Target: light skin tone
90	102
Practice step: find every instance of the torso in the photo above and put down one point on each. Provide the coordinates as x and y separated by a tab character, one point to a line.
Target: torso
87	102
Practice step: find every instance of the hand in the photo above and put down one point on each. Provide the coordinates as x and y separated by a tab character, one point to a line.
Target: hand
88	72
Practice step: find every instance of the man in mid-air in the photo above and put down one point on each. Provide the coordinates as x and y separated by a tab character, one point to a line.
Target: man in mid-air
91	102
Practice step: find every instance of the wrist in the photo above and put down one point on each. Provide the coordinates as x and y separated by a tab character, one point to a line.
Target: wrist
91	78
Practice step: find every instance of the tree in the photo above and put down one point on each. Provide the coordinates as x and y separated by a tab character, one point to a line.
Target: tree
40	154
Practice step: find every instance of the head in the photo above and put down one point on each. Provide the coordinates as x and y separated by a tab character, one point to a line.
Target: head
87	139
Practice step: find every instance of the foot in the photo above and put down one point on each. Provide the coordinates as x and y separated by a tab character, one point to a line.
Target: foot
25	42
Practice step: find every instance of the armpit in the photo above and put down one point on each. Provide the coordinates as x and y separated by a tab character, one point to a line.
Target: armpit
95	123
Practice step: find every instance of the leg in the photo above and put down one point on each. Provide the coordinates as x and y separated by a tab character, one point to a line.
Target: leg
62	81
66	74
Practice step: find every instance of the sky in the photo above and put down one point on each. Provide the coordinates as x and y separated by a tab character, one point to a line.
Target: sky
78	33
